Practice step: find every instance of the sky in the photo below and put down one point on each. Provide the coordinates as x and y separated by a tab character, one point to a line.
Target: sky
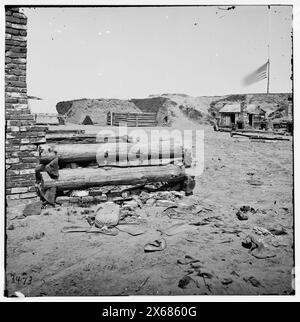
138	51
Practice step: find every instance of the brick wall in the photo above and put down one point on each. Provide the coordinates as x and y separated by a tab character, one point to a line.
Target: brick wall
22	134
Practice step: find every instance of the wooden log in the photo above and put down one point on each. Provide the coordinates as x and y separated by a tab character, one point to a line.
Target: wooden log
89	137
262	137
224	129
86	178
108	154
253	131
64	131
254	139
263	141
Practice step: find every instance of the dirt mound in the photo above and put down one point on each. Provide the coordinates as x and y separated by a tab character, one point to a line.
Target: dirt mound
97	109
171	108
176	108
194	108
163	107
198	103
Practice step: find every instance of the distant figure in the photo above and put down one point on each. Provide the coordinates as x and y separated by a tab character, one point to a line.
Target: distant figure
215	124
240	124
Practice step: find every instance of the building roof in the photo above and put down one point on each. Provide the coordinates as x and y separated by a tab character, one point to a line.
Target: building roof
236	108
231	108
254	109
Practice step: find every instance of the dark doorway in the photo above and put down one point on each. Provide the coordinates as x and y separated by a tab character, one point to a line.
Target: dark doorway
232	118
87	121
250	119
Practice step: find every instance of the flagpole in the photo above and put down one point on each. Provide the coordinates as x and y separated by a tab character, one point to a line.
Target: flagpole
269	40
268	83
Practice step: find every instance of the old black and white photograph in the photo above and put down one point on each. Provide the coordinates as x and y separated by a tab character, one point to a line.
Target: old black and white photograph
149	150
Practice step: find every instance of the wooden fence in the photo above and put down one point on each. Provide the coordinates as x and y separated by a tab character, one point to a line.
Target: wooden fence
131	119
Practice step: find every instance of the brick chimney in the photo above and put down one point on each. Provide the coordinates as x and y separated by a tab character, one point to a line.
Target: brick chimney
22	133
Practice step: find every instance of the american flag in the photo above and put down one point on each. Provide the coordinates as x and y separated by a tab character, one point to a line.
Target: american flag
258	75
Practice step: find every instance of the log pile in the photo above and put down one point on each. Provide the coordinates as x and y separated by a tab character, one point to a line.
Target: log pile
115	161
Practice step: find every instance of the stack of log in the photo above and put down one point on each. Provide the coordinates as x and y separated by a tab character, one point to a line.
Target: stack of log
88	162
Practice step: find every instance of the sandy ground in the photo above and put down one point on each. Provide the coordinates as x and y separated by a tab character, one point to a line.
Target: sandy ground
82	264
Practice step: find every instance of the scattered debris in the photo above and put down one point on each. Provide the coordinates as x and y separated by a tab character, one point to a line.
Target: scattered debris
131	230
175	229
227	281
262	231
107	214
75	229
244	212
111	231
278	230
229	240
130	205
257	248
234	273
254	182
11	227
33	209
18	294
204	273
165	203
142	284
196	264
205	221
231	231
185	281
187	260
36	236
79	193
276	243
157	245
174	213
253	281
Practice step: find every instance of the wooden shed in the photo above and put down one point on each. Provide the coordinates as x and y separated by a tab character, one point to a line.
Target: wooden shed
229	114
232	112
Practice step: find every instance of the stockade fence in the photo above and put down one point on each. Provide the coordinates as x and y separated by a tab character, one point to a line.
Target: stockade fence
131	119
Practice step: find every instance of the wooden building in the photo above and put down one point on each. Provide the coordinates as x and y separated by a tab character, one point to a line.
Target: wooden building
231	113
